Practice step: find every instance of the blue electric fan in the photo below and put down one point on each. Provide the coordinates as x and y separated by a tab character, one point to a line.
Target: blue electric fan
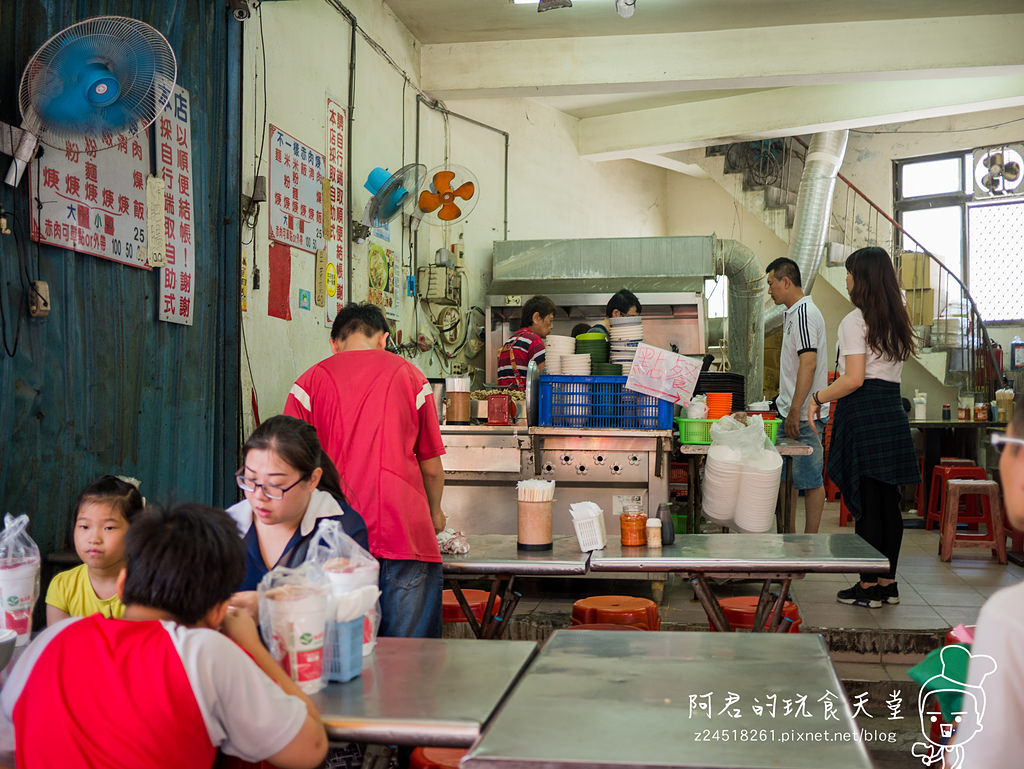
89	83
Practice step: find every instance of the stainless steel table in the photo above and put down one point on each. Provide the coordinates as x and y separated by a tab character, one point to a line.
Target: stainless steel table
768	557
423	691
497	557
787	447
641	700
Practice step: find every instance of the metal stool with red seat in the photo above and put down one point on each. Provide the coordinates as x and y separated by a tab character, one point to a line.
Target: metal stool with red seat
941	475
991	516
617	610
436	758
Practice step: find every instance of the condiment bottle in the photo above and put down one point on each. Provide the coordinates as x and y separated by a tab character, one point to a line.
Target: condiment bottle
981	412
668	532
947	414
654	533
633	527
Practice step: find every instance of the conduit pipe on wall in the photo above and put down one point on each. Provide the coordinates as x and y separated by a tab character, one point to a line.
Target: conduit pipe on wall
813	210
746	312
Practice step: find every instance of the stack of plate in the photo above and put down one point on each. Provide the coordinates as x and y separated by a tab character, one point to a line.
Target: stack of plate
576	365
597	349
755	512
626	334
723	382
555	348
606	369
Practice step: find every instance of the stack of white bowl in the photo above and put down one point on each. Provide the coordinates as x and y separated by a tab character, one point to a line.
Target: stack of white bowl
722	477
576	364
755	508
626	333
555	348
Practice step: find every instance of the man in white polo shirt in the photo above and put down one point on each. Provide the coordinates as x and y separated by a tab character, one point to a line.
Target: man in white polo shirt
803	369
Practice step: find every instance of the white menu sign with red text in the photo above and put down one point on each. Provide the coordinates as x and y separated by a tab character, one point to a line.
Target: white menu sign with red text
93	197
174	166
336	230
296	193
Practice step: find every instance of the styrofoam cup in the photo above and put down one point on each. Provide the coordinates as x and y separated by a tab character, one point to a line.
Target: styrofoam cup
17	592
298	621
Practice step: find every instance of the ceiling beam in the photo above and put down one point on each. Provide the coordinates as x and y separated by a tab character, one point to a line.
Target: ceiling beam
765	57
788	112
670	164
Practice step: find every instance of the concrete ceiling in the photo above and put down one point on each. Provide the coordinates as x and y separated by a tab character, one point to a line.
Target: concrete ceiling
681	74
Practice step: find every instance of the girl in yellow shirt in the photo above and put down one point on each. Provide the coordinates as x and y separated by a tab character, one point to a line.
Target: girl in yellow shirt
102	514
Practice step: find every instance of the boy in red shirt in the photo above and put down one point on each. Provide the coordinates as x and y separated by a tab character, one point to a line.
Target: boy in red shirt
375	415
161	687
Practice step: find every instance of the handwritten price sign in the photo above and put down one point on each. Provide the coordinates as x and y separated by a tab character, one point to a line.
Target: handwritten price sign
663	374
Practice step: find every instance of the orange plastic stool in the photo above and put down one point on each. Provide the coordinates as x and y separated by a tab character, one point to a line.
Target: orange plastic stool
616	610
477	600
941	475
436	758
605	626
740	612
991	516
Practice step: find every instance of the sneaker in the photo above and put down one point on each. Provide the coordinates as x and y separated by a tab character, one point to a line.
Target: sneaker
889	593
857	595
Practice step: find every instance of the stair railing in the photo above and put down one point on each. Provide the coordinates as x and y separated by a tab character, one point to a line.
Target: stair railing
946	312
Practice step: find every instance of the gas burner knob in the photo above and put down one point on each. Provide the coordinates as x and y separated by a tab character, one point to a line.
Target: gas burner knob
616	470
581	470
549	468
599	459
566	459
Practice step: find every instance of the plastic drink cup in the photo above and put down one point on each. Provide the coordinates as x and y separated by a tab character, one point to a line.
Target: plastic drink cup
18	583
298	621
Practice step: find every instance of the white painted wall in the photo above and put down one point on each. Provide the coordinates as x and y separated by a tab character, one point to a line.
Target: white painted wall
551	191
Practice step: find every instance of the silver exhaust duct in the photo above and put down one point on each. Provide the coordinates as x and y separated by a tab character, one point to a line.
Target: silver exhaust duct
813	211
746	312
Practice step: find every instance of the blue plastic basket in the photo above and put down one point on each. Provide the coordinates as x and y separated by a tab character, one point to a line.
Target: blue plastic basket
599	401
346	660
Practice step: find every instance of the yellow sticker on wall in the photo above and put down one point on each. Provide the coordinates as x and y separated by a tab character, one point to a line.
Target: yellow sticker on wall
332	279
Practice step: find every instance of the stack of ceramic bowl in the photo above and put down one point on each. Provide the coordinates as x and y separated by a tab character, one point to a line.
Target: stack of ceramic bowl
577	364
595	345
719	404
755	511
626	334
556	347
722	475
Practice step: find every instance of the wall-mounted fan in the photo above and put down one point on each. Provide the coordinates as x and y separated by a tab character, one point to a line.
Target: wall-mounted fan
447	195
998	171
88	83
391	191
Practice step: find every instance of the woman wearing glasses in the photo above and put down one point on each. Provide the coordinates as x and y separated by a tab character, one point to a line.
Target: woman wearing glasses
1000	633
290	485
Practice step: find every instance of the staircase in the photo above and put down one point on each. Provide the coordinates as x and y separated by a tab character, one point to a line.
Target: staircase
955	352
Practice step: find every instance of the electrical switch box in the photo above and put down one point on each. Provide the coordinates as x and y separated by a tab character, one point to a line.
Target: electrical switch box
439	284
39	299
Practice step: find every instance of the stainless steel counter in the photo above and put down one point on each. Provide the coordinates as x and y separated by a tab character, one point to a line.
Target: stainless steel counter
498	554
423	691
608	699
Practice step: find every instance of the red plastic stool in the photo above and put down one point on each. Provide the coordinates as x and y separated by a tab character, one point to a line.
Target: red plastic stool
961	634
605	626
956	462
436	758
617	610
477	600
941	475
991	516
740	612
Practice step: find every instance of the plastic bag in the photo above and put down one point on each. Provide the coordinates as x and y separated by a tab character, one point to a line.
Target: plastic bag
348	568
741	480
294	605
19	576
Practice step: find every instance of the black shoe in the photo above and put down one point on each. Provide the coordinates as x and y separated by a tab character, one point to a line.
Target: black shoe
857	595
889	593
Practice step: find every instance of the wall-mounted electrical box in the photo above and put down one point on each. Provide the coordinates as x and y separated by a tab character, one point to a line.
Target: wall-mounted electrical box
439	284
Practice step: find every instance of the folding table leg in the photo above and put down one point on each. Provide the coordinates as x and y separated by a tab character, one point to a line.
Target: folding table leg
711	606
763	605
466	610
780	603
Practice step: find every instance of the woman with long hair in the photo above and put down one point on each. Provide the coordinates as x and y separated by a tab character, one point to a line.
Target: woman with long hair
872	453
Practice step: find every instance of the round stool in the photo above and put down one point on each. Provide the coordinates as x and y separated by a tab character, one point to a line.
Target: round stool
605	626
617	610
436	758
740	612
477	600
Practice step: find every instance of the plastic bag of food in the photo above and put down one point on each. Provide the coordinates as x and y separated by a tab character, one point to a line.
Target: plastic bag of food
294	605
742	475
348	568
19	576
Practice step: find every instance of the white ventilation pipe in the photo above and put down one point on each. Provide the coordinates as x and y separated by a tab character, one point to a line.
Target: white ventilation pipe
746	312
813	210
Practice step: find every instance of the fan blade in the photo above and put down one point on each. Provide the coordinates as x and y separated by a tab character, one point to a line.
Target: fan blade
448	212
429	201
465	190
443	181
1011	171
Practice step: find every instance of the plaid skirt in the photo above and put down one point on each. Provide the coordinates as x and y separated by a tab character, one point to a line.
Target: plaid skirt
871	437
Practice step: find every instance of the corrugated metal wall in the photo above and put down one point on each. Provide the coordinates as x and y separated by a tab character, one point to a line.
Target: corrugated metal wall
102	386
